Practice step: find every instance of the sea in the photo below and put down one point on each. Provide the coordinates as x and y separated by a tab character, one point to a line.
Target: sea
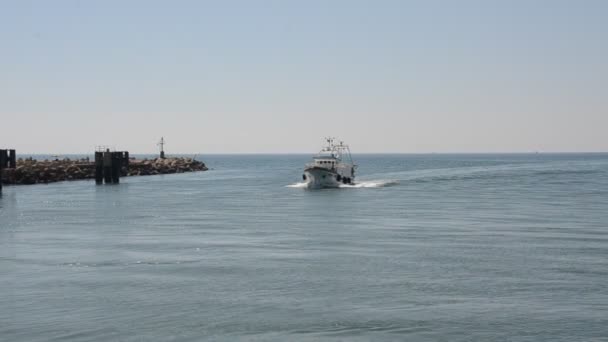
424	247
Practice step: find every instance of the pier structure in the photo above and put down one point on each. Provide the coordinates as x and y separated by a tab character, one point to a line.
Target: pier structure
110	165
107	167
8	160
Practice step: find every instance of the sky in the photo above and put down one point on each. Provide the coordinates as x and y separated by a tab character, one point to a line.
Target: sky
278	76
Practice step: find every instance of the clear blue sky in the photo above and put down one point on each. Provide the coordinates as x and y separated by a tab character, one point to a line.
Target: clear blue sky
278	76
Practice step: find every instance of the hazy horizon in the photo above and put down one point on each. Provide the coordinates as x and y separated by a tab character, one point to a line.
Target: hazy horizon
278	76
21	154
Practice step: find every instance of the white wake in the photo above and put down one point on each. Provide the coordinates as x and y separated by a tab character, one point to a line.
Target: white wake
381	183
297	185
363	184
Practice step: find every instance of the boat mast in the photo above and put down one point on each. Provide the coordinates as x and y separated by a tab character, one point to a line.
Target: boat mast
345	149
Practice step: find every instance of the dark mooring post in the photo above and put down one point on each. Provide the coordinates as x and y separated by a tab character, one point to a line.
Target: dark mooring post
124	170
3	164
12	159
3	158
116	166
107	167
98	167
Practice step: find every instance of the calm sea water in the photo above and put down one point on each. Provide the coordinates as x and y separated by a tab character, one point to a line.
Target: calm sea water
424	248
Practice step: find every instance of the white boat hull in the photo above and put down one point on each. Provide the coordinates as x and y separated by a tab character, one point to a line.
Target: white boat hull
318	178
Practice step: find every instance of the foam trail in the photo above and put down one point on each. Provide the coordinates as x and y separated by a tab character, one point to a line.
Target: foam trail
297	185
371	184
362	184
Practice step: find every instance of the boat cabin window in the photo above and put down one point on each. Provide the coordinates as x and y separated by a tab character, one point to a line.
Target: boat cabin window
331	163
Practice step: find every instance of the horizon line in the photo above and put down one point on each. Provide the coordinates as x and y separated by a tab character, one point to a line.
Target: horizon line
306	153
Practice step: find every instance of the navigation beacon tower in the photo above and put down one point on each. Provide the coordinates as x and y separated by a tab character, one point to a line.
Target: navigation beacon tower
161	143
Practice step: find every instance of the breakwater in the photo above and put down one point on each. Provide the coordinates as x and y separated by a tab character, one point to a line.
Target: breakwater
31	171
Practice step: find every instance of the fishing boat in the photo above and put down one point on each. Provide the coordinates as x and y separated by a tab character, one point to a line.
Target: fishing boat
331	167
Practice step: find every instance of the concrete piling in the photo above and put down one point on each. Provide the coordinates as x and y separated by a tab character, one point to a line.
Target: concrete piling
3	159
8	160
99	167
109	166
116	166
2	162
124	171
12	159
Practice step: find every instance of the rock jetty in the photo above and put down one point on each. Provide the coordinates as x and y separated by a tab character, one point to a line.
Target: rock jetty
31	171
